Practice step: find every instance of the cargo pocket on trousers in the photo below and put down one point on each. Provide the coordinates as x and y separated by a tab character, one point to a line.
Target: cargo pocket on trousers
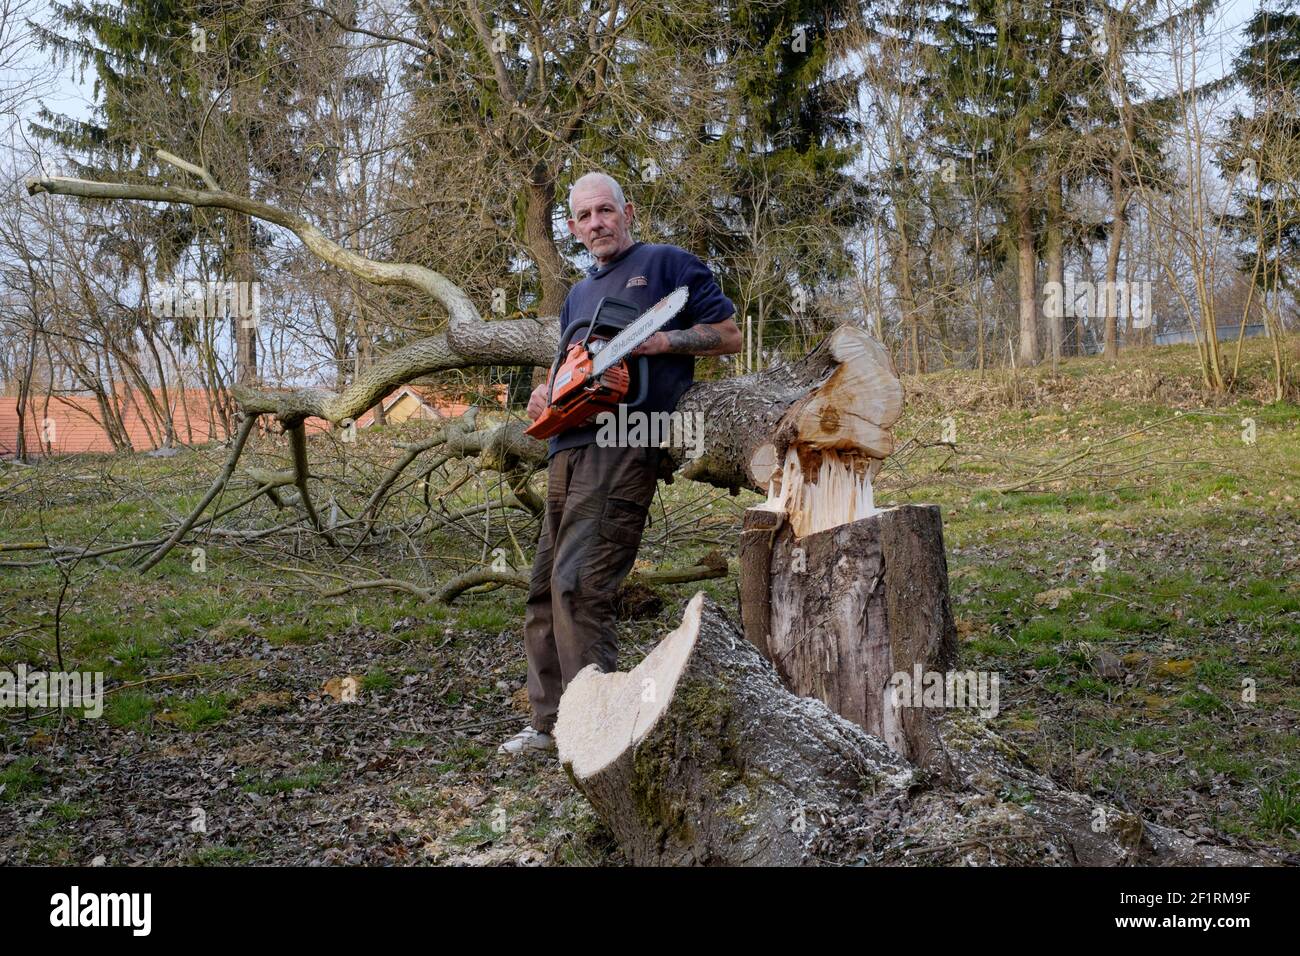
618	535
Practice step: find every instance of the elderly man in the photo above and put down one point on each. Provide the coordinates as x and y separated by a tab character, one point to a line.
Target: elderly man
598	495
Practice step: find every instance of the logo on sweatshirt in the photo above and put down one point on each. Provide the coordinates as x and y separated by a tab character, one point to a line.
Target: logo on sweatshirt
635	280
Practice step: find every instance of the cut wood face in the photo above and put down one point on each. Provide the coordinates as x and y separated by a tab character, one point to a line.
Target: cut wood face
855	408
838	492
603	715
763	464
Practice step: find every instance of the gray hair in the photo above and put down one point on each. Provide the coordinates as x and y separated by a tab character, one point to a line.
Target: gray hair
609	181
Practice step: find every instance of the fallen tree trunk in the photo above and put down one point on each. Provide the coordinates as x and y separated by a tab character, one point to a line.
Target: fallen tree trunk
740	414
842	396
700	756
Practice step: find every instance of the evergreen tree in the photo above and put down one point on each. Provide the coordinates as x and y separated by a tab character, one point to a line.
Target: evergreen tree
1263	146
205	81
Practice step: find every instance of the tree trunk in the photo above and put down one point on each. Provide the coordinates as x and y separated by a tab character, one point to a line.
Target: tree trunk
699	756
1085	321
830	401
539	237
1110	295
907	299
1055	260
245	326
841	597
850	607
1026	270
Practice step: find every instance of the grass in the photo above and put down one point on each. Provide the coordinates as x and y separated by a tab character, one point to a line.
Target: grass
129	710
1279	808
418	800
194	713
19	779
67	812
465	757
311	778
488	618
479	832
1197	597
1201	546
221	856
378	679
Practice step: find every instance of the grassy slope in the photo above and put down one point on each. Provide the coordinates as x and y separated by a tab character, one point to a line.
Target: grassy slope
225	710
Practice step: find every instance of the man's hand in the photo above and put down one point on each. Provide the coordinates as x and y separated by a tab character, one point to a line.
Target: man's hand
537	401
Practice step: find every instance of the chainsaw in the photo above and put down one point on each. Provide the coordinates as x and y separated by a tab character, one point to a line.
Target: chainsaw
590	376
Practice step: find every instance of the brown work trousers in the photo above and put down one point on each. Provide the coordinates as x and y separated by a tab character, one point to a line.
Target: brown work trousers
597	500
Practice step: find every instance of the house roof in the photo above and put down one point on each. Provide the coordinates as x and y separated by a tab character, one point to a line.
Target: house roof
75	422
438	403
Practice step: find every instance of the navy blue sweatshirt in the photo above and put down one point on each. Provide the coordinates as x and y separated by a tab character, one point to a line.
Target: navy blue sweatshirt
644	273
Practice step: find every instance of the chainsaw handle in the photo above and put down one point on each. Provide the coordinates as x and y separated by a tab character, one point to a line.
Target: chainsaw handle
643	380
586	326
559	357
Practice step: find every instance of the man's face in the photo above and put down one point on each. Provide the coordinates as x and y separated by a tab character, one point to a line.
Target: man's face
603	226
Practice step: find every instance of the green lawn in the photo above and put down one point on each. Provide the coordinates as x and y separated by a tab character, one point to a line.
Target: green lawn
1177	541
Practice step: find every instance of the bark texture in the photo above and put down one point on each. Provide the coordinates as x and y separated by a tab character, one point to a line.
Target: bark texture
700	756
851	606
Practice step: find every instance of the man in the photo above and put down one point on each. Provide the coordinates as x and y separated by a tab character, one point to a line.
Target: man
597	497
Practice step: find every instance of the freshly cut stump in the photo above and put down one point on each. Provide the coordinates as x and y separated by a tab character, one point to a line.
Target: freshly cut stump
838	594
853	605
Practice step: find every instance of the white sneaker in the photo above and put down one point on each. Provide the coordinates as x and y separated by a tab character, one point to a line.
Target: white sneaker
527	739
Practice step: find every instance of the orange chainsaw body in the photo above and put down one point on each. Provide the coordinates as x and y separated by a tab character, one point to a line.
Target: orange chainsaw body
576	396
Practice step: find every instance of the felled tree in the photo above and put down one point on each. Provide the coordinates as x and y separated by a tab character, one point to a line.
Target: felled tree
788	743
699	755
741	414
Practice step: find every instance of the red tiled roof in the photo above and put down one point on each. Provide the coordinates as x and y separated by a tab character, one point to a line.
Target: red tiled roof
439	404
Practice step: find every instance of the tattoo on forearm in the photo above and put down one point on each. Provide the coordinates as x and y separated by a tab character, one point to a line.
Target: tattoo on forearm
697	340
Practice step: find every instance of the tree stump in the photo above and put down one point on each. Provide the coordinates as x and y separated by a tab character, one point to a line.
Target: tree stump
840	611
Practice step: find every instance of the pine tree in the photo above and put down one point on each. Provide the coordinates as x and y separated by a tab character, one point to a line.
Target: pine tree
987	112
1260	157
786	150
193	79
